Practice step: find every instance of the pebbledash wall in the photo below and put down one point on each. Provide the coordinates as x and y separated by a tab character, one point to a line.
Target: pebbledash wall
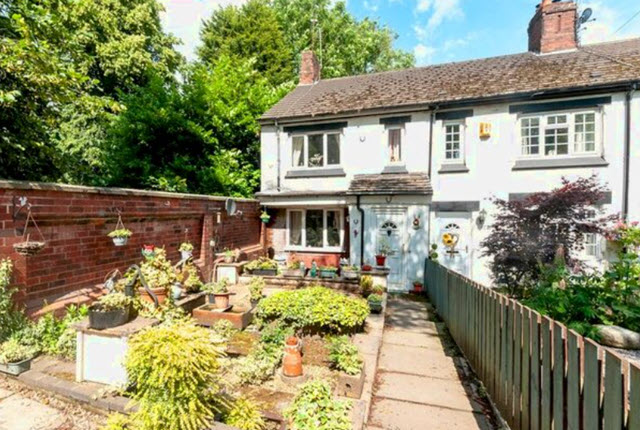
75	222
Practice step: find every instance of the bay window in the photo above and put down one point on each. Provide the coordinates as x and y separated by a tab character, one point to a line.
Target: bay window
559	134
315	150
315	229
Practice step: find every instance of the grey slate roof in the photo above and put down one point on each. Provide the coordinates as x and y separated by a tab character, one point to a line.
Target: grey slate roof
387	184
526	73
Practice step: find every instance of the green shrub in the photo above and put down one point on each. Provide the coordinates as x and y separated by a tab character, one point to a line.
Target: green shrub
315	309
261	263
344	355
192	282
256	287
315	409
117	421
157	271
375	299
11	319
174	369
245	415
261	364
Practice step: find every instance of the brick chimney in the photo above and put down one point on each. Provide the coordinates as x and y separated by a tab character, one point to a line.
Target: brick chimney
309	68
553	27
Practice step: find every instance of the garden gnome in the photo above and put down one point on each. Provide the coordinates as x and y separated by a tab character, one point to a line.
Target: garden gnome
292	362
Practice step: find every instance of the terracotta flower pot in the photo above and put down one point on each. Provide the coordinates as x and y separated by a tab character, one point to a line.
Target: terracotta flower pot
221	300
160	293
292	361
417	288
380	260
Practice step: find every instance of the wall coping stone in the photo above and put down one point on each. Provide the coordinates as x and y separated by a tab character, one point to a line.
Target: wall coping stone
47	186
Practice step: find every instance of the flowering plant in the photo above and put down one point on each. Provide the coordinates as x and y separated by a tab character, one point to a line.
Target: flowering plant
627	234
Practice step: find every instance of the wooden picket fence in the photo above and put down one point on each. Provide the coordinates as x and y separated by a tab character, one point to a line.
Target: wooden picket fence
539	374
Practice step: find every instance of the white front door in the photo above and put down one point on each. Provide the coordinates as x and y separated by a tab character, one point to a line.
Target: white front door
454	241
391	232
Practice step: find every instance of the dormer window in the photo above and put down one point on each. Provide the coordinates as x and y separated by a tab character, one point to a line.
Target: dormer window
559	134
315	150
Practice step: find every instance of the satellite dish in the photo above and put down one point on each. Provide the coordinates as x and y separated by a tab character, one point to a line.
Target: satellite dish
586	15
230	207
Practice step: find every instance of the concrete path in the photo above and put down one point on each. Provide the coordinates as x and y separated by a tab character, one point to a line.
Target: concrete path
418	384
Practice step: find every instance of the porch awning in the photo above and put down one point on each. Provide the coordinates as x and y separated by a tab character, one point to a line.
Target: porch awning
391	184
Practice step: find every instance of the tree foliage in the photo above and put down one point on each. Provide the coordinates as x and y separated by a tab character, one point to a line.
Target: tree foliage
528	233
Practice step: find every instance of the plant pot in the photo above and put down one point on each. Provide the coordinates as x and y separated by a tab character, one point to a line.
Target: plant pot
293	273
417	288
220	300
28	248
265	272
292	361
176	291
184	255
16	369
100	320
228	259
327	274
380	260
375	308
120	241
350	274
265	218
160	293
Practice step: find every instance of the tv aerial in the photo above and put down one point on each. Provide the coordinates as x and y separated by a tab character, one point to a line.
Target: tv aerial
585	17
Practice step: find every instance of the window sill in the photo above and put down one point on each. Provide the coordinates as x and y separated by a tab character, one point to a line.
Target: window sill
453	168
559	163
330	249
395	168
316	173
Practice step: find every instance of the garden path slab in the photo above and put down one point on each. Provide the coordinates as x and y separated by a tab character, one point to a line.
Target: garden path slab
417	383
20	413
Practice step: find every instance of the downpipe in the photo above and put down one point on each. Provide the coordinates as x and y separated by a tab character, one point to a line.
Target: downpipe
361	230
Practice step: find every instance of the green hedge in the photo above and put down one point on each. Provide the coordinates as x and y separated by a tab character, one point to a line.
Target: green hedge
315	309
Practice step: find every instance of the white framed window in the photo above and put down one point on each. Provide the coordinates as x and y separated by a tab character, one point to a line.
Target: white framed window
560	134
453	141
315	229
394	144
591	245
315	150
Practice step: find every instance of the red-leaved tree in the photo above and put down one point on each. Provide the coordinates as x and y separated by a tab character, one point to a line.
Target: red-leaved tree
527	233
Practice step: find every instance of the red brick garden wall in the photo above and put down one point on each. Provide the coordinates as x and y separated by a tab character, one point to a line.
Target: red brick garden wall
75	222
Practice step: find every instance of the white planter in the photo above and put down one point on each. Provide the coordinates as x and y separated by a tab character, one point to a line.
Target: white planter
186	254
120	241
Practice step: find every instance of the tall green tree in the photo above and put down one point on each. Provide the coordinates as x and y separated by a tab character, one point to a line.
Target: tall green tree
251	31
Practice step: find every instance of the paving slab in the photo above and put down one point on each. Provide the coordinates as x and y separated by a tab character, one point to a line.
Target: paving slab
417	361
400	323
429	391
408	338
5	393
13	415
397	415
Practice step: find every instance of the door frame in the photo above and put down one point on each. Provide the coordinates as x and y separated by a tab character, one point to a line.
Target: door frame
402	211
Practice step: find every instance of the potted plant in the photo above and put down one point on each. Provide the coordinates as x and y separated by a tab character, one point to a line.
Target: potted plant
120	236
159	274
228	256
350	272
328	272
383	251
186	250
375	303
219	293
256	288
295	269
377	290
366	285
191	279
262	267
176	291
417	286
111	310
265	217
16	358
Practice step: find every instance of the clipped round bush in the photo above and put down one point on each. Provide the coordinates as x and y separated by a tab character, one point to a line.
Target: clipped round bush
315	309
174	369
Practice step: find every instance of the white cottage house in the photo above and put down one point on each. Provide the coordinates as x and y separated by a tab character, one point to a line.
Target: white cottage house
402	157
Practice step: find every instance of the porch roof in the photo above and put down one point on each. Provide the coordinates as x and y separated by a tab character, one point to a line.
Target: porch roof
391	184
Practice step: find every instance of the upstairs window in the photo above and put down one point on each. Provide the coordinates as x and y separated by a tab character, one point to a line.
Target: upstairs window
315	150
554	135
453	142
395	144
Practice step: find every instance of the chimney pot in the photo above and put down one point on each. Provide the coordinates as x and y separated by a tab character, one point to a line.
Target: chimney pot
309	68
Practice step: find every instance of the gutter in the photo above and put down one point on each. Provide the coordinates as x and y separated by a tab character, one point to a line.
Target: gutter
627	153
361	230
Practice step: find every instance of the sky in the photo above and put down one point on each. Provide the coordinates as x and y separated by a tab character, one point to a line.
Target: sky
437	31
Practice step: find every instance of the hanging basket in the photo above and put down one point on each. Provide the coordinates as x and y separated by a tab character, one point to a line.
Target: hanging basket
29	247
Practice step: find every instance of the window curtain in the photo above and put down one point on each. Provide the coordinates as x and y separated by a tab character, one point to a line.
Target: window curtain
295	228
298	149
